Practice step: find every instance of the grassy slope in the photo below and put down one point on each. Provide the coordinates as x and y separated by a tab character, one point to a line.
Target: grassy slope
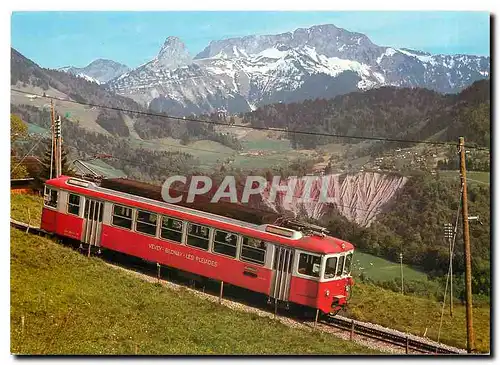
75	305
371	303
21	203
416	315
379	269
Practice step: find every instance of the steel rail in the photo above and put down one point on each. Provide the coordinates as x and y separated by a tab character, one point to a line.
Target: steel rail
391	336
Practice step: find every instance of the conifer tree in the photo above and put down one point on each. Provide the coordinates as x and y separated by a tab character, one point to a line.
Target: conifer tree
45	171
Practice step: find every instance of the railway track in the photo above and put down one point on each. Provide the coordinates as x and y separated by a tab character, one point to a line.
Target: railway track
411	343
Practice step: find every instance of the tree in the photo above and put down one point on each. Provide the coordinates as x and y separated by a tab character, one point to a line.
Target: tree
17	170
45	172
18	129
185	139
328	168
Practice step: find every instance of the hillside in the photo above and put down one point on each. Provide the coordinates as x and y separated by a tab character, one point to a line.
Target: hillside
151	165
74	305
412	223
412	113
31	78
99	71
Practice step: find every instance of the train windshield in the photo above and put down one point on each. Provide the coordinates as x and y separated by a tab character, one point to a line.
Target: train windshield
347	265
337	266
331	266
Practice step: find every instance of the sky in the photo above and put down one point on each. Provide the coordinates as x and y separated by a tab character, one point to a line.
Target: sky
58	39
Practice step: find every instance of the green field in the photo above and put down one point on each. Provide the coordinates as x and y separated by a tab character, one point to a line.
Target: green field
379	269
419	316
33	128
267	144
473	177
211	154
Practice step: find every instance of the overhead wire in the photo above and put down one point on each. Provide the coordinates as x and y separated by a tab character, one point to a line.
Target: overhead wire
284	130
241	126
452	249
42	136
232	154
187	119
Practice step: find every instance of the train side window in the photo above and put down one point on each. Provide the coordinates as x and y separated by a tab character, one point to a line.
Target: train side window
198	236
171	229
122	216
73	204
50	197
331	266
341	266
253	250
309	265
146	222
225	243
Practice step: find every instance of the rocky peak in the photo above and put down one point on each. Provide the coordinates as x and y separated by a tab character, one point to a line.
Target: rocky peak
326	39
173	54
101	62
101	70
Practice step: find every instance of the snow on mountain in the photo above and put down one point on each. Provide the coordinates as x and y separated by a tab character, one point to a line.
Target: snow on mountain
99	71
88	78
239	74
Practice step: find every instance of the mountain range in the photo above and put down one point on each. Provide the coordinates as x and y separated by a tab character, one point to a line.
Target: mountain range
99	71
241	74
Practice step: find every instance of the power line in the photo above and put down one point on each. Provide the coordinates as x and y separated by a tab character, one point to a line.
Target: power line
319	134
232	154
42	136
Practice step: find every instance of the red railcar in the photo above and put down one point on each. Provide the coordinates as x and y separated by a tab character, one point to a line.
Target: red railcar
306	268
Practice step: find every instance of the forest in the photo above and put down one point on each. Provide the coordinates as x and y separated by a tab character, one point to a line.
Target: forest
388	112
412	224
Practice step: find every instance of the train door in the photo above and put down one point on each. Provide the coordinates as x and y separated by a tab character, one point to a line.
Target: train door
282	273
92	223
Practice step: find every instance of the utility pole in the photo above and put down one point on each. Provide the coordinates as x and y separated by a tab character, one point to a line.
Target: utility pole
448	233
59	147
467	253
53	138
401	265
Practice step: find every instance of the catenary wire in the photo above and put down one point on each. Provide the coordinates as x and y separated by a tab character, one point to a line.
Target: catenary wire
319	134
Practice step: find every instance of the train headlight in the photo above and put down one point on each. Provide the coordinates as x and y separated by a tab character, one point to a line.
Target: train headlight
327	293
348	291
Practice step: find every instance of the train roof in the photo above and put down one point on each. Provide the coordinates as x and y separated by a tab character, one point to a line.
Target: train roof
313	243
